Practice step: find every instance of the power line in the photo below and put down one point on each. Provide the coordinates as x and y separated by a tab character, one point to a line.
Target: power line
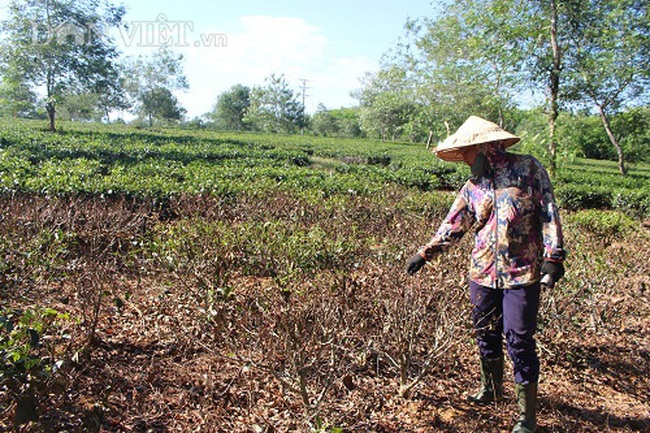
304	88
304	82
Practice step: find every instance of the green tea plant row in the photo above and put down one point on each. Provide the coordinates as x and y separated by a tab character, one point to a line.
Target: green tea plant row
589	184
162	164
111	159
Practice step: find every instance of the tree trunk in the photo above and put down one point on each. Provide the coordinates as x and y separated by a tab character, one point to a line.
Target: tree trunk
554	88
51	114
614	140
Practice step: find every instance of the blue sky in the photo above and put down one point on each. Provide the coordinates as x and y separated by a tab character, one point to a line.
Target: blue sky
329	43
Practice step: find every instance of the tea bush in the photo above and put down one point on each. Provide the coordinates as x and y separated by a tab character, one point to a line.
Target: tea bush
32	351
605	224
102	159
161	163
24	353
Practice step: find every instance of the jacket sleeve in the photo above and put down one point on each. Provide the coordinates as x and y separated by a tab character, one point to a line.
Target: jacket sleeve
459	219
549	218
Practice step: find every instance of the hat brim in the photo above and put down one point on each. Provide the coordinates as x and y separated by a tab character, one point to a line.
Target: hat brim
454	154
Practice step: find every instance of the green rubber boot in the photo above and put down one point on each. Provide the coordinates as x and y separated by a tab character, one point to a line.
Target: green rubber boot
527	401
491	382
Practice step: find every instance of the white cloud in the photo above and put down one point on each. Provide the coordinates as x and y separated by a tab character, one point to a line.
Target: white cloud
264	45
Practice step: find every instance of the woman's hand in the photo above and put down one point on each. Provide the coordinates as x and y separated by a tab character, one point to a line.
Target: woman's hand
415	264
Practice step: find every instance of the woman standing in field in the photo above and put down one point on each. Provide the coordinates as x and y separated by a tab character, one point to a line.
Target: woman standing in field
518	242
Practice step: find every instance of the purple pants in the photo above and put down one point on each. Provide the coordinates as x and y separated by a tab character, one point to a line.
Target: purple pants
509	312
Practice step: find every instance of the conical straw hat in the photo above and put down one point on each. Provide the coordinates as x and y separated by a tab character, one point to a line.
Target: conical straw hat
474	131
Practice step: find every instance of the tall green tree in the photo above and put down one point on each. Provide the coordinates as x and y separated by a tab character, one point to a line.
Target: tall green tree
340	122
323	122
634	126
152	80
386	102
609	66
590	51
275	107
459	64
229	111
17	99
533	43
554	82
160	103
112	97
539	29
60	45
348	121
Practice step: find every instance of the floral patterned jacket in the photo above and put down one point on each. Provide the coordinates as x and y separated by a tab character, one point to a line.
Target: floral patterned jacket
516	219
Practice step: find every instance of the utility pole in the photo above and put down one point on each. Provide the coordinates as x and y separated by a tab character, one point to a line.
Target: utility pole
304	82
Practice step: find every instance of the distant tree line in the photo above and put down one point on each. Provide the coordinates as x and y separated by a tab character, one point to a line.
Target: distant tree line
585	63
275	107
580	133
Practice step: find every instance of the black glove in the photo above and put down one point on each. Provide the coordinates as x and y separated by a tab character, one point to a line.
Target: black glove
414	265
555	270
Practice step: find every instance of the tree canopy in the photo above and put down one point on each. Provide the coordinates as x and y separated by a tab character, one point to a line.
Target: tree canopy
231	106
274	107
62	46
486	57
151	81
609	65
